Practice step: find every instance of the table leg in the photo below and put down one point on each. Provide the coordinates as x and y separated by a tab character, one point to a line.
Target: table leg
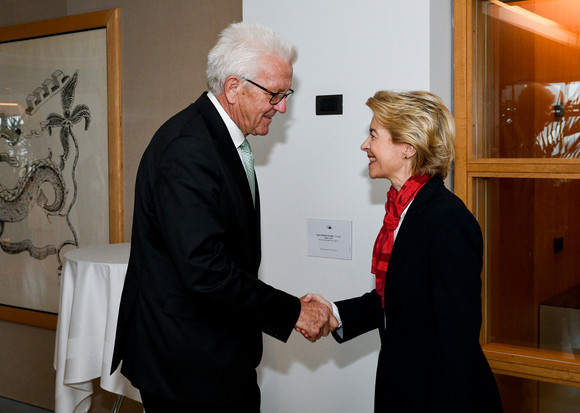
117	405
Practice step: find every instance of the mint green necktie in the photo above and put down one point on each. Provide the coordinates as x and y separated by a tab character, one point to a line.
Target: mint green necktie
248	160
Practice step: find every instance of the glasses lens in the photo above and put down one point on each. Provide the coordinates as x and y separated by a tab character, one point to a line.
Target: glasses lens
277	98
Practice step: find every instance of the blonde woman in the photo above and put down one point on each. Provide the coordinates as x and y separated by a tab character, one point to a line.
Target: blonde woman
427	261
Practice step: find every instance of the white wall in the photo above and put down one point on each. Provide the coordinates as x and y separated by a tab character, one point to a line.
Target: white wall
311	167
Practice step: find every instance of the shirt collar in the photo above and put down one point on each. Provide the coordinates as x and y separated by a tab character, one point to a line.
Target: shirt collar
235	133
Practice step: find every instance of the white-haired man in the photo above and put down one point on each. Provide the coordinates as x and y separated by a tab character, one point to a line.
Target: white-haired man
193	309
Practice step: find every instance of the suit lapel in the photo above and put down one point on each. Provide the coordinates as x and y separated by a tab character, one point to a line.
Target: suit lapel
229	154
226	149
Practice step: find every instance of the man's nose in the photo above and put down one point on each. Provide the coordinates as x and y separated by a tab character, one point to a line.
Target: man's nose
281	106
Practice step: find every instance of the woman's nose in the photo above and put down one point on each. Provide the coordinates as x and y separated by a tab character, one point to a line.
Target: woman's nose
365	144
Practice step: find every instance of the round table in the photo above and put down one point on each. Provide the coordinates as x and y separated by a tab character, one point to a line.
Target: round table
90	293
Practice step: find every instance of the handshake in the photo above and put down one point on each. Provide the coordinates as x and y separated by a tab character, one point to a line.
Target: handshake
316	317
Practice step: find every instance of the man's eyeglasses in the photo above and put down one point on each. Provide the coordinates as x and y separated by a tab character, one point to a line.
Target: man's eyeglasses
276	97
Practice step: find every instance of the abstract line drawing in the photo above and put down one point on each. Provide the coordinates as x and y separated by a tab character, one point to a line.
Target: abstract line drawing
37	176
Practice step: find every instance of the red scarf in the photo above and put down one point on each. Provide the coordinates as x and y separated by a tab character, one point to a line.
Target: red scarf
396	204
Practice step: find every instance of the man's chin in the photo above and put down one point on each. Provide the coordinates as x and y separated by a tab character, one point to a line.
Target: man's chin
262	131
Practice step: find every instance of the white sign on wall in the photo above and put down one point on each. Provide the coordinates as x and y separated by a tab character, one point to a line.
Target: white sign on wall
330	239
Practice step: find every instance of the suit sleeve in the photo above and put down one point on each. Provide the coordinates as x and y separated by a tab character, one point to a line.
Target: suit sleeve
188	198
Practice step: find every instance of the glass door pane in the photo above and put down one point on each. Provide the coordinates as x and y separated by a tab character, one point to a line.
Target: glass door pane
529	67
532	262
531	396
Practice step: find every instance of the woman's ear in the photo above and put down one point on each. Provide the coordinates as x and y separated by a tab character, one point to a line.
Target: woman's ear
232	87
409	151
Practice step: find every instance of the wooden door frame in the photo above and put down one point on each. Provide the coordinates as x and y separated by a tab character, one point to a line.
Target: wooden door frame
524	362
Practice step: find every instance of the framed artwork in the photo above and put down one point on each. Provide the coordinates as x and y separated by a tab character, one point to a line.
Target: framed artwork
61	177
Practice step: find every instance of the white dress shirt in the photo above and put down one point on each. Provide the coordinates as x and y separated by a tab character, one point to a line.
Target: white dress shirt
235	132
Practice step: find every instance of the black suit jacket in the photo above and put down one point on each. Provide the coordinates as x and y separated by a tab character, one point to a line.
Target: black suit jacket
193	310
430	359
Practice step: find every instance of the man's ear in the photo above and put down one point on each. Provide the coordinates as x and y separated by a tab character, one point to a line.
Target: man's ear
232	87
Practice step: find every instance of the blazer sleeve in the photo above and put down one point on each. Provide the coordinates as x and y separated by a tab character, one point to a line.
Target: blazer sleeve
191	189
359	315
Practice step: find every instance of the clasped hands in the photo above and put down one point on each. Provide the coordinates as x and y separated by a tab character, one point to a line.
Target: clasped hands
316	319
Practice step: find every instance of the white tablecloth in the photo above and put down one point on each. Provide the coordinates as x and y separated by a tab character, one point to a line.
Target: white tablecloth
90	292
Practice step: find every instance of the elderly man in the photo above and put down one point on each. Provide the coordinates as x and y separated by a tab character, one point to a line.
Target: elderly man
193	309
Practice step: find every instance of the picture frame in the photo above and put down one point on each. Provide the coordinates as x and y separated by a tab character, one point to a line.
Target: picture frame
72	69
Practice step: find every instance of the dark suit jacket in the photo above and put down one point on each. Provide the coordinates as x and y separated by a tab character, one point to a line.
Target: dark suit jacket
430	359
193	309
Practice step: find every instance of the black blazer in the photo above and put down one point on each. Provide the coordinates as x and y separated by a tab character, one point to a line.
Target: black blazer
430	358
193	310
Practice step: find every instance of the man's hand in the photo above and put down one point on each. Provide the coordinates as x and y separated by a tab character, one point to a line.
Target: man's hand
316	319
318	298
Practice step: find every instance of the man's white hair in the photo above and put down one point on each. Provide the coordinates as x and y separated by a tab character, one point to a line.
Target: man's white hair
239	52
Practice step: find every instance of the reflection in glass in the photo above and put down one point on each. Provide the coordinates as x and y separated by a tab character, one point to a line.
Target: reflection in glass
532	79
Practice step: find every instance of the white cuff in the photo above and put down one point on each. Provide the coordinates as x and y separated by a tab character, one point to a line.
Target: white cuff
336	314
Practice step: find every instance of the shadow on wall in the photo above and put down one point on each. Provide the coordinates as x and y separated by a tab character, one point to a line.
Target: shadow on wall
279	356
278	133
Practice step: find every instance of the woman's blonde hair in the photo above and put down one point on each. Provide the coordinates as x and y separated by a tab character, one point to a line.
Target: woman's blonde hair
421	120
